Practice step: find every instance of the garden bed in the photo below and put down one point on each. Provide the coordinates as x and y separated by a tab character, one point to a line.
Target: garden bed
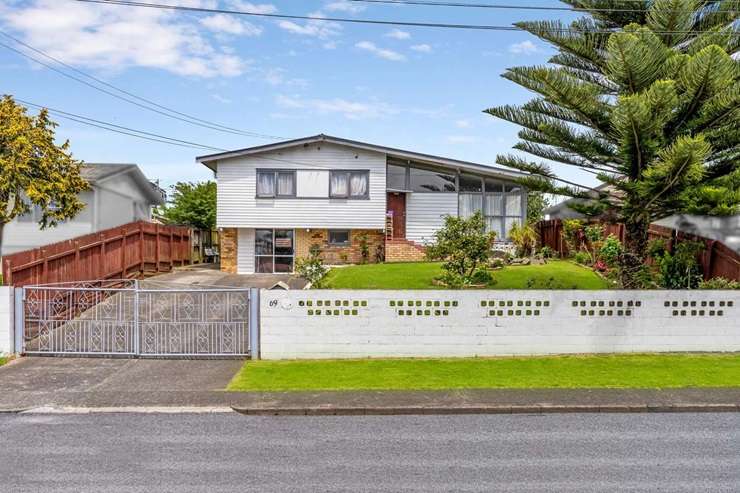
556	274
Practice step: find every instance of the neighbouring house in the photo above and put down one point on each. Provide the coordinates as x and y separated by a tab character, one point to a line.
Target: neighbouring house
275	201
725	229
118	194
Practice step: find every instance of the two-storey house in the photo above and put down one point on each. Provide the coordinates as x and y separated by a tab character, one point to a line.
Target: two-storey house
275	201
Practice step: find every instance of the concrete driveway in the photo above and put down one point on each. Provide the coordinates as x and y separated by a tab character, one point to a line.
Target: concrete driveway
209	275
32	382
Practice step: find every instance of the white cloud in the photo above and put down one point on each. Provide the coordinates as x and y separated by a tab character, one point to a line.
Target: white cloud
398	34
463	124
112	37
422	48
276	77
261	8
344	6
380	52
352	110
221	99
462	139
312	28
228	24
523	48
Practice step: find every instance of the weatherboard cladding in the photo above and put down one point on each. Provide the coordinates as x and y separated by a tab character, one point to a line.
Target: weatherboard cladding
237	190
425	214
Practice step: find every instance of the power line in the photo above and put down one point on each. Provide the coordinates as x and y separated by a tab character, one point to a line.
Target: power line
187	118
121	129
429	3
480	27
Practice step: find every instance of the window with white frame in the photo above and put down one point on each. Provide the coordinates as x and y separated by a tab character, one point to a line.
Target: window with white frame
339	237
501	204
349	184
276	184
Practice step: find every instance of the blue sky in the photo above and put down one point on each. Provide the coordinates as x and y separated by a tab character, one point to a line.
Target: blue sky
416	88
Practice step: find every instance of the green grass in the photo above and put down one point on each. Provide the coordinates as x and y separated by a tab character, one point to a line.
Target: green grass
3	360
602	371
419	275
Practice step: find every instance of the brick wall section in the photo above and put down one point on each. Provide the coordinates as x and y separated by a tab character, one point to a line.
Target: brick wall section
229	245
338	255
404	251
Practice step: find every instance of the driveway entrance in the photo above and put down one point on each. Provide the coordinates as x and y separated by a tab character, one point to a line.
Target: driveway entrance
135	319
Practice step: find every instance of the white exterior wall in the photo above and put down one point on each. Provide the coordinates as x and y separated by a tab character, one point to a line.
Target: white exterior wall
377	330
245	251
425	214
6	320
239	207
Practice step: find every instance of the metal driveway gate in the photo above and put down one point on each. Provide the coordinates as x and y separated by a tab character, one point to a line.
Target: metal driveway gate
135	318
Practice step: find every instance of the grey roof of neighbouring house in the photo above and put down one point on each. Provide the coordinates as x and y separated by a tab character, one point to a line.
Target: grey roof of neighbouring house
209	159
97	173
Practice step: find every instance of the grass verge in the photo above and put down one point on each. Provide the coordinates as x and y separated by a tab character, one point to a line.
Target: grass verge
593	371
419	275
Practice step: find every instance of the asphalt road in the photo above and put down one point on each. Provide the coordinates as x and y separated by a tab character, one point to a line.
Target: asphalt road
228	452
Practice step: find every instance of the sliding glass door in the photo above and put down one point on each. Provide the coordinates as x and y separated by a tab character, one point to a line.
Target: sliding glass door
274	250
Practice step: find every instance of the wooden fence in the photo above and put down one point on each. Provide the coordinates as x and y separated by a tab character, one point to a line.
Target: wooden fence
127	251
717	260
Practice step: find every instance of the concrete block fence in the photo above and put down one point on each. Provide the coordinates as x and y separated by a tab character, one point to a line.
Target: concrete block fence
6	319
379	323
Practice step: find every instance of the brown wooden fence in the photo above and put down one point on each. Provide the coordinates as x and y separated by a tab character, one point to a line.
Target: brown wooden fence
127	251
718	260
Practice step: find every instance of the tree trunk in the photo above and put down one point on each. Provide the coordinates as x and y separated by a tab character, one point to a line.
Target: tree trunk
635	251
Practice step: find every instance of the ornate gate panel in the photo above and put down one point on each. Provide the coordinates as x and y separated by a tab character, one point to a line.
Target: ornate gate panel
123	318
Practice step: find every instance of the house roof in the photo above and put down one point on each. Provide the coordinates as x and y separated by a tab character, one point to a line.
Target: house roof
97	173
211	159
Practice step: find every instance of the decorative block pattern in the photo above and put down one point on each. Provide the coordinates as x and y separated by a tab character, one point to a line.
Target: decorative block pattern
333	307
606	308
423	308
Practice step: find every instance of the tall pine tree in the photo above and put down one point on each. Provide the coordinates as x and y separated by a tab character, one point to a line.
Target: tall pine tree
645	95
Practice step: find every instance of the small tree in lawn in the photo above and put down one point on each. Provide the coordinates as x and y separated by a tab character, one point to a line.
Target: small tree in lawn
191	204
34	170
647	99
464	245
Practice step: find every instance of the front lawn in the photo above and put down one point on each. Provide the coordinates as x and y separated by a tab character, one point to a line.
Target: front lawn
595	371
419	275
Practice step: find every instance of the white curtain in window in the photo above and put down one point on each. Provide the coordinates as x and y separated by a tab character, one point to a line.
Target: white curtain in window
285	183
358	185
470	203
513	205
339	184
266	184
511	221
496	224
494	205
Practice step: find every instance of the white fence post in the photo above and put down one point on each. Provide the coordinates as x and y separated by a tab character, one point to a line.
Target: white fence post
254	323
6	319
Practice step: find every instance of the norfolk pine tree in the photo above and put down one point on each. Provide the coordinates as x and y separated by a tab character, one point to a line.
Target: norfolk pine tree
34	170
645	96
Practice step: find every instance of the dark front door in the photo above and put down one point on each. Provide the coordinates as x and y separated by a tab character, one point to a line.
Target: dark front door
397	208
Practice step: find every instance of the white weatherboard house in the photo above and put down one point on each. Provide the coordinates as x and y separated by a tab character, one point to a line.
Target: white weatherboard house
118	194
275	201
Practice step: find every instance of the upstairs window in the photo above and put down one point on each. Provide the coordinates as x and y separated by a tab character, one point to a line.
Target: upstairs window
349	184
275	183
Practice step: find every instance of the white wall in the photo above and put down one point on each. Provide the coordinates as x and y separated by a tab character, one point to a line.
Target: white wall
245	251
425	214
239	207
22	235
377	330
6	320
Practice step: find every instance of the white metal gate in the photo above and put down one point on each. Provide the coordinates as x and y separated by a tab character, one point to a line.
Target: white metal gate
136	319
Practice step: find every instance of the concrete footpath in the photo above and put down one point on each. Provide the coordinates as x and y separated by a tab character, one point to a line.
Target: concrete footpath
160	385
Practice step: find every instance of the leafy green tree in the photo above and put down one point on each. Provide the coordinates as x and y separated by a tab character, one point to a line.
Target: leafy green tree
537	202
191	204
34	170
646	98
464	245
